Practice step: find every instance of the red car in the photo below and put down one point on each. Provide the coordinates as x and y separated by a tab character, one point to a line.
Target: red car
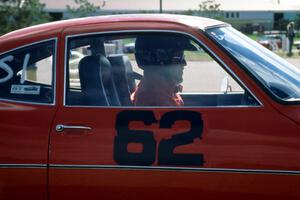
272	42
70	128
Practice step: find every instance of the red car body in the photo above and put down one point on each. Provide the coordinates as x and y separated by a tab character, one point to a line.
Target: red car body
249	152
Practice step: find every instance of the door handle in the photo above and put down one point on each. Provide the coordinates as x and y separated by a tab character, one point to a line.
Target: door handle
61	127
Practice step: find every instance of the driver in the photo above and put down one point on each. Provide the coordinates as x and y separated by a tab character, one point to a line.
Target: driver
162	59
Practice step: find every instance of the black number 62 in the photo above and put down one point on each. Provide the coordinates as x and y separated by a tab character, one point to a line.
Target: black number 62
146	138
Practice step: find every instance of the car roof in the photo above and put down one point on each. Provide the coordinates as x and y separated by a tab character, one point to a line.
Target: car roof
56	27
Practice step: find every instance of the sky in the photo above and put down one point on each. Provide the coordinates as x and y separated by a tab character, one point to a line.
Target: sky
271	1
290	2
285	2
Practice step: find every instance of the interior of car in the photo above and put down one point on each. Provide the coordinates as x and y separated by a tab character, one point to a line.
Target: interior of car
108	76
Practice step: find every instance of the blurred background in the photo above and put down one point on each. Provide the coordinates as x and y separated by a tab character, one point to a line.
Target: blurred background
265	21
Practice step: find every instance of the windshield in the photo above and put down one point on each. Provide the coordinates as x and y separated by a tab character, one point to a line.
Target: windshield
277	75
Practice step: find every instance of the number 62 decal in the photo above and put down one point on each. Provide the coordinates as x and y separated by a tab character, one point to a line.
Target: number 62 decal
165	154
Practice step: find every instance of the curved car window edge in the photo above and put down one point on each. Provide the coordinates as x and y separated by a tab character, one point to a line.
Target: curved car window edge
215	26
229	71
53	103
264	88
205	47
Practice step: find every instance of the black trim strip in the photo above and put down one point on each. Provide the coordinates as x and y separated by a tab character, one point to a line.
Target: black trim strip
23	166
183	169
151	168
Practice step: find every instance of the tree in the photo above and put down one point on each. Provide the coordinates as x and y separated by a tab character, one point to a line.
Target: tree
16	14
297	22
84	8
281	24
211	9
189	12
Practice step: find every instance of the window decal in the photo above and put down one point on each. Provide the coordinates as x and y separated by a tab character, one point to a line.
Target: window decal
25	89
164	151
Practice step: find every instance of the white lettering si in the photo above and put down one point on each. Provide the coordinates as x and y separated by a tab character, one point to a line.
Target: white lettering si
6	68
24	70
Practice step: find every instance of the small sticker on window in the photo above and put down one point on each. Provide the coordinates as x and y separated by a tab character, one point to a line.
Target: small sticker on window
25	89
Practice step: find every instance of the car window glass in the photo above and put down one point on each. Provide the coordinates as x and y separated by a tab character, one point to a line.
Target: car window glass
148	69
26	74
280	78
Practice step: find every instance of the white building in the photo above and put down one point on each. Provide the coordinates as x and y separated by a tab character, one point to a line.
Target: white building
267	14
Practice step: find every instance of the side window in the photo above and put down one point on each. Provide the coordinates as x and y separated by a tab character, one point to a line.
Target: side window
206	83
148	69
26	74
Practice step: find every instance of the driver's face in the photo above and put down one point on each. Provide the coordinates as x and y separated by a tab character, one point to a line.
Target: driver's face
174	72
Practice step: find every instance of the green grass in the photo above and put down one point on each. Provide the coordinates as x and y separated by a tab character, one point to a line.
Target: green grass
202	56
128	40
254	37
196	56
189	56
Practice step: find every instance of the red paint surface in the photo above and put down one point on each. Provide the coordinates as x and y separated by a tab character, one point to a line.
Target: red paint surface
262	138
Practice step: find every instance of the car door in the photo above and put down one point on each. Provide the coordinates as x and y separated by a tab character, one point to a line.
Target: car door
226	141
27	107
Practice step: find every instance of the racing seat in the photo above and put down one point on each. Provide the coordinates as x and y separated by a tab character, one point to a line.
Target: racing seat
108	83
96	81
123	76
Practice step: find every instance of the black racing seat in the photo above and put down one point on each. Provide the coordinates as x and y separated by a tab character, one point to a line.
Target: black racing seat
91	81
123	76
96	81
109	83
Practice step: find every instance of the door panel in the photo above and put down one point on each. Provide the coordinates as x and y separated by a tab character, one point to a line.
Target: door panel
239	146
24	150
157	184
23	182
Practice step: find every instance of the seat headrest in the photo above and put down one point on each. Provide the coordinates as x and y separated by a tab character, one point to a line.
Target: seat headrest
93	71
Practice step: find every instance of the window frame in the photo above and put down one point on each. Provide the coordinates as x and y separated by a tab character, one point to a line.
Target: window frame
221	63
53	103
